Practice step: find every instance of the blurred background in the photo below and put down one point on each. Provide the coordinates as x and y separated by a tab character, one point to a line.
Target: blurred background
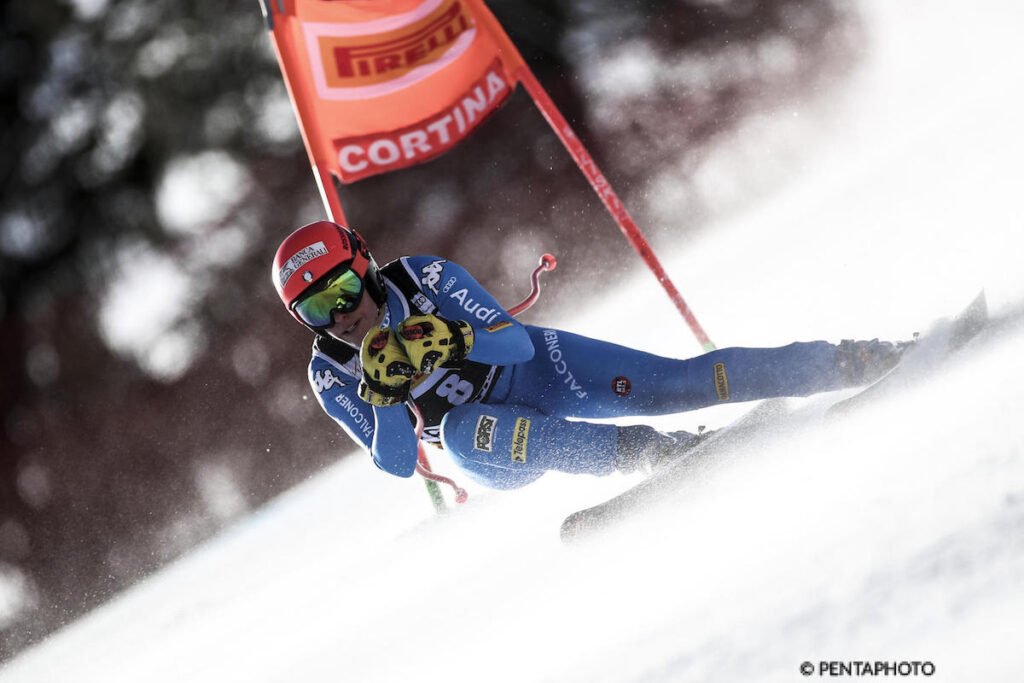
151	388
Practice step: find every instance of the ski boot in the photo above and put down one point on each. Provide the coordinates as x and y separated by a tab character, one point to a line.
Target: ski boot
863	362
645	449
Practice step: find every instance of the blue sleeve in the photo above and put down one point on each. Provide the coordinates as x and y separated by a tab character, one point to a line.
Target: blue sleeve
386	432
336	393
499	338
395	448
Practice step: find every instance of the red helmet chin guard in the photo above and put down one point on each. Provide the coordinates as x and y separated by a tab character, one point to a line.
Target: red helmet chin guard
312	251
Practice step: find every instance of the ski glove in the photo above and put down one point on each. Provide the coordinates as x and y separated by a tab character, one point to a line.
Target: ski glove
433	342
387	371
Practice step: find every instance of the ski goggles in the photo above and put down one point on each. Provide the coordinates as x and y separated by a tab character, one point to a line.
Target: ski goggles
340	292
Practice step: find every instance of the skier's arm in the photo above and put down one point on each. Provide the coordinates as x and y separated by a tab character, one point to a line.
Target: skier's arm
336	394
395	448
386	432
499	338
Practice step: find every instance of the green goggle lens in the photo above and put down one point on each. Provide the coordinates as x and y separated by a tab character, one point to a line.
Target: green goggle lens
342	293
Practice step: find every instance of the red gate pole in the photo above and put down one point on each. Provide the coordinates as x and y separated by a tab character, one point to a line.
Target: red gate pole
611	200
521	72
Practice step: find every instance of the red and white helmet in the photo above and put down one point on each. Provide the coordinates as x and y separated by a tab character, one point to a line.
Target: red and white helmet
312	251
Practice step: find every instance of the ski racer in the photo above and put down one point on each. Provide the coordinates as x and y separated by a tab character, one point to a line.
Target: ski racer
495	393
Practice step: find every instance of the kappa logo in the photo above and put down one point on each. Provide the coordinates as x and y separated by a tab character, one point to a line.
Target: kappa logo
324	380
520	439
483	436
299	259
357	60
432	274
721	382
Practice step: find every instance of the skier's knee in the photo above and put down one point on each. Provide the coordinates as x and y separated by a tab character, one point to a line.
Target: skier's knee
483	440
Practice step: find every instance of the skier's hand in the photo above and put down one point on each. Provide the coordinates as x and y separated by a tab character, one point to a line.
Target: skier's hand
433	342
387	371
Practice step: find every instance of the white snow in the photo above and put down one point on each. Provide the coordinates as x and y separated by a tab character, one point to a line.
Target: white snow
893	534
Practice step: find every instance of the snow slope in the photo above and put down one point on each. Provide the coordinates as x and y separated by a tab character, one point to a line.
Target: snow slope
895	533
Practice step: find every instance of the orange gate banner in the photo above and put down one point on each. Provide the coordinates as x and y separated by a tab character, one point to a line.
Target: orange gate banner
380	85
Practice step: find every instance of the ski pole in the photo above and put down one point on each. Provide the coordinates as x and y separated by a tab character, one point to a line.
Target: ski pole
423	466
547	263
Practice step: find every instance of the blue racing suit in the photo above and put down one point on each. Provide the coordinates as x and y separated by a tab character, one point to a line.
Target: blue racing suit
501	415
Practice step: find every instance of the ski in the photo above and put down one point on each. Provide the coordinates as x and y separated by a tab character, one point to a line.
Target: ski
943	339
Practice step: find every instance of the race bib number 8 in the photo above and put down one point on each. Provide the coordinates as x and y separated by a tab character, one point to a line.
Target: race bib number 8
455	389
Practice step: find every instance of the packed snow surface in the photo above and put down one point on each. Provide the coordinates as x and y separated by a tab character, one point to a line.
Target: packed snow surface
895	533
